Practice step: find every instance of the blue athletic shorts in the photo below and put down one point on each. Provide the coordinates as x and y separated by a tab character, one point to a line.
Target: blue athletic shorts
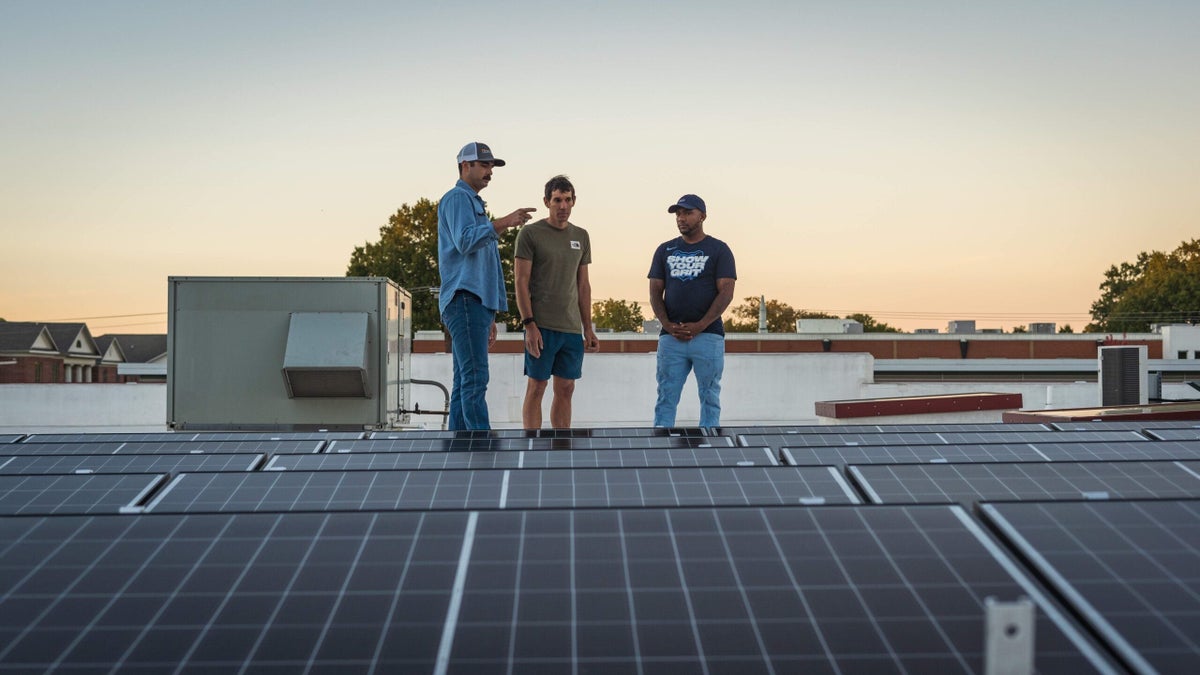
562	356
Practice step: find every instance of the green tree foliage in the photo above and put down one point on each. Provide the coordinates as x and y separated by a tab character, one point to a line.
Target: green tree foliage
1066	329
781	317
870	325
618	315
1157	288
406	253
1020	329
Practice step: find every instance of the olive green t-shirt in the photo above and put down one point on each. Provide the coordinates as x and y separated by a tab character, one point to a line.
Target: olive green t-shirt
553	282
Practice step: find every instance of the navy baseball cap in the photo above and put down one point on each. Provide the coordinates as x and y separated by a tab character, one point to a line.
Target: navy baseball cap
688	202
478	152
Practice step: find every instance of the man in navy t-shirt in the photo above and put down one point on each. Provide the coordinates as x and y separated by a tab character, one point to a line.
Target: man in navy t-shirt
691	283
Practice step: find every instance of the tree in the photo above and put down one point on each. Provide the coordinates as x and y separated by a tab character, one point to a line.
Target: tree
1066	329
870	325
781	317
1157	288
407	254
1020	329
618	315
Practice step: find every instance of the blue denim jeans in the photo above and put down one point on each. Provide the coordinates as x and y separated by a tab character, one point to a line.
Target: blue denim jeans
705	354
469	324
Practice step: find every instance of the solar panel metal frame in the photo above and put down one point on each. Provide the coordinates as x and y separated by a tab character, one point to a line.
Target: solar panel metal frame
514	444
526	459
1023	481
1129	568
576	432
834	455
166	448
192	436
286	491
56	494
1191	433
126	463
769	430
949	438
727	590
1121	425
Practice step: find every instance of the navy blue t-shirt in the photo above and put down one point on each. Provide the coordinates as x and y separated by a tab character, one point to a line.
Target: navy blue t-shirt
690	273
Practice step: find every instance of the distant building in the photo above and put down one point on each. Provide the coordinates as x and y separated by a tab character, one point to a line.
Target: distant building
33	352
836	326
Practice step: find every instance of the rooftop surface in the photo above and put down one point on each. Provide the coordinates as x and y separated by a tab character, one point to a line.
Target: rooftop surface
860	548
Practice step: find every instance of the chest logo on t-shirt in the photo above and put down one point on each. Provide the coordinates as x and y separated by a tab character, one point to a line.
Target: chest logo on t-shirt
686	265
575	245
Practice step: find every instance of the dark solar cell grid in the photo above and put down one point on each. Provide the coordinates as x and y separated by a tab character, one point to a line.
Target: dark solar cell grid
1180	434
526	459
1131	568
916	483
495	489
932	438
607	432
993	452
165	448
513	444
10	438
50	464
1123	425
743	590
194	436
73	494
767	430
911	454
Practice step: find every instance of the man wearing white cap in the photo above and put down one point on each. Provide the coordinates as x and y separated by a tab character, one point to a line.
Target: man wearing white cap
472	289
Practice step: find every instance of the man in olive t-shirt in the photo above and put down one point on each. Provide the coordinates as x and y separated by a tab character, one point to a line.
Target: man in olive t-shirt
554	297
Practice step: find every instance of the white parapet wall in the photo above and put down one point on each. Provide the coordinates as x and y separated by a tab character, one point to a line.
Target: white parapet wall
97	407
620	389
616	390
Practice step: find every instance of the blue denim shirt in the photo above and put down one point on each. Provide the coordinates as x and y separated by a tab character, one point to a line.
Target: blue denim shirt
468	250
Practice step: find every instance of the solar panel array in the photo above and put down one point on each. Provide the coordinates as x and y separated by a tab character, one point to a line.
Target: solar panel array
740	550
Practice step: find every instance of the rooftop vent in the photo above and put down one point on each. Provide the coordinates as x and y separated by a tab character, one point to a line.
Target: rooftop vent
326	355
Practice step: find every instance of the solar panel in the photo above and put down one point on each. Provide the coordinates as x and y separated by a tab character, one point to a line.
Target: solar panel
732	590
511	444
496	489
47	464
1177	434
75	494
947	438
526	459
991	452
1122	425
194	436
164	448
911	454
11	438
915	483
768	430
1131	570
598	432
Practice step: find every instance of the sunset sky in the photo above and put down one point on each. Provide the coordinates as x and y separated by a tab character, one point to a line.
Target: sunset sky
918	161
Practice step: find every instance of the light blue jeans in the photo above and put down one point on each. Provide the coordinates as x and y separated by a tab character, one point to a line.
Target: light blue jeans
469	324
704	354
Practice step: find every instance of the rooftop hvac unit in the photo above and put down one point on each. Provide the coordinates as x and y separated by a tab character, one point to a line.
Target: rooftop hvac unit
1123	376
275	353
1042	328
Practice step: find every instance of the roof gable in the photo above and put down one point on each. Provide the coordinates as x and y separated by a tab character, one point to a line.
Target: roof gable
73	339
142	347
26	336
